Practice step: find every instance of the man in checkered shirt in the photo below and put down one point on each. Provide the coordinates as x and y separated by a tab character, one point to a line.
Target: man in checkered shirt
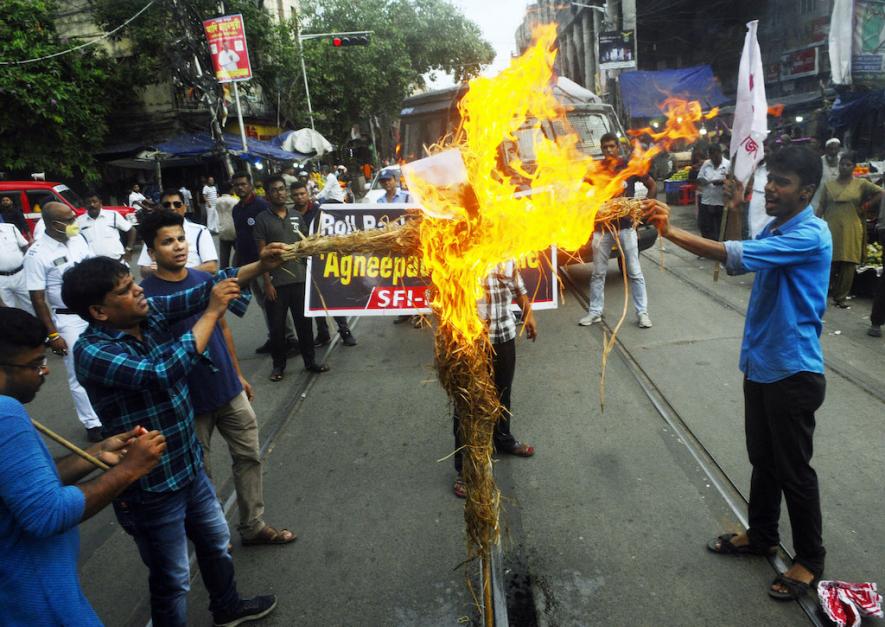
134	370
502	286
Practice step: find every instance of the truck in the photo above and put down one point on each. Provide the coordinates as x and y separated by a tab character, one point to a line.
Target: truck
426	118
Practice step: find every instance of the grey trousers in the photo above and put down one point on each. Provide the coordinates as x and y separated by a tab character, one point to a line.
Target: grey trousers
237	424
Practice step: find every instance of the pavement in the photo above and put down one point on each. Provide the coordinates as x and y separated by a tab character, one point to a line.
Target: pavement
605	525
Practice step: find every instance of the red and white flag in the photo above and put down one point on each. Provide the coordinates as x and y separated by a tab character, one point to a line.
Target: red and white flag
751	110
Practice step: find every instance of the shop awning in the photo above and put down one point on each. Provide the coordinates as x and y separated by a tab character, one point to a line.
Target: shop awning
643	91
200	144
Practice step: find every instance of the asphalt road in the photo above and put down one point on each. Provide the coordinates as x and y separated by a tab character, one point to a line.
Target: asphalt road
606	525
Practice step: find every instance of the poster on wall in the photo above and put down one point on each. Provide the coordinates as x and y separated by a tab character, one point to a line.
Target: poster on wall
868	45
799	63
227	45
617	50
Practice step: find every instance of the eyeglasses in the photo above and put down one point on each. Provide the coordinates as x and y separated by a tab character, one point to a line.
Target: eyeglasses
173	203
38	368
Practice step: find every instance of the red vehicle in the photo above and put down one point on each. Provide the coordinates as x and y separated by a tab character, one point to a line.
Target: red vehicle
30	196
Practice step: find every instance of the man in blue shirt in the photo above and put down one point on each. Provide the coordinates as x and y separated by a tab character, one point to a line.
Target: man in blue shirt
219	392
392	192
41	503
135	371
781	359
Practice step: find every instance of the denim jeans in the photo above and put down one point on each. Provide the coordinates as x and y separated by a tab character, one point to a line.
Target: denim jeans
161	524
602	245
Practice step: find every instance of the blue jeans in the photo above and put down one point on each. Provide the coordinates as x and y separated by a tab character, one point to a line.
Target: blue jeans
602	246
161	524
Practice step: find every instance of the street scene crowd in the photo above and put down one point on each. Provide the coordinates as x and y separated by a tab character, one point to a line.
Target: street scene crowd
134	302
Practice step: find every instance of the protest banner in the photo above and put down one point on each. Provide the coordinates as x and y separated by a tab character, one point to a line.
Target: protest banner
227	45
384	285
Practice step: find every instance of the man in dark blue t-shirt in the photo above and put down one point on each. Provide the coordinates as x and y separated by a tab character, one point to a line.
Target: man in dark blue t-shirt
219	392
244	214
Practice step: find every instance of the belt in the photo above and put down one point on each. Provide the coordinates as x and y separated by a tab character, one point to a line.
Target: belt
69	312
11	272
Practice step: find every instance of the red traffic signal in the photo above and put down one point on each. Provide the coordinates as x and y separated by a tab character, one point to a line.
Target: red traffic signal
350	40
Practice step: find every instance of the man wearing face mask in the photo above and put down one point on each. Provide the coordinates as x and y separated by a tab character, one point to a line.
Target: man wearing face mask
57	249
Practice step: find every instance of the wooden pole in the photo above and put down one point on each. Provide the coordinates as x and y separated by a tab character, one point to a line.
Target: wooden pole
76	450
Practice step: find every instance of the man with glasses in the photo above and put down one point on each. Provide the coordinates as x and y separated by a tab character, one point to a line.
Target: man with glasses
60	247
201	253
41	501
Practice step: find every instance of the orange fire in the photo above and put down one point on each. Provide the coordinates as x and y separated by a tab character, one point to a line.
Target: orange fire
488	222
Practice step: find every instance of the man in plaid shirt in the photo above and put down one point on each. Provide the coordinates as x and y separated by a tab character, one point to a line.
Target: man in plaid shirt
134	371
502	286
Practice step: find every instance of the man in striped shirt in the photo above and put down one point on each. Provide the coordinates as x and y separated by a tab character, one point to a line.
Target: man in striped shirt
135	370
502	286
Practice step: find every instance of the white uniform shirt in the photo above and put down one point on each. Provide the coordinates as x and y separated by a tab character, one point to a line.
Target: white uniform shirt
712	194
135	197
200	247
210	193
46	262
103	233
187	196
12	244
332	189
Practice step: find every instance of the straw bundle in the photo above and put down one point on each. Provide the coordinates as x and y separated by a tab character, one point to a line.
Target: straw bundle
392	239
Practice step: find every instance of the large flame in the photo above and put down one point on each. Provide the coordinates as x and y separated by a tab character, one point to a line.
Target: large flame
489	222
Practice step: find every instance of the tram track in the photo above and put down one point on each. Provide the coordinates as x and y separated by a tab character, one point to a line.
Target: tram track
735	500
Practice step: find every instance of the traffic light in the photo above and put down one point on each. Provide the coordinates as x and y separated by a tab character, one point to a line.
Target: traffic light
339	41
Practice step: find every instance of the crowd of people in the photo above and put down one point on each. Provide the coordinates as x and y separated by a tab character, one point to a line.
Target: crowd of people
154	372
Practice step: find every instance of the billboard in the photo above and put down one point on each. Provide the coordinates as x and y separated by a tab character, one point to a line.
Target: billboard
868	43
385	285
227	46
799	63
617	49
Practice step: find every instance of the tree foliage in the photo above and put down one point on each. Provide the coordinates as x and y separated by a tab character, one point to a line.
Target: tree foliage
52	113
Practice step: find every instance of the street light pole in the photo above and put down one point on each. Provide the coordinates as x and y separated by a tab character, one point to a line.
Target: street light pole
306	88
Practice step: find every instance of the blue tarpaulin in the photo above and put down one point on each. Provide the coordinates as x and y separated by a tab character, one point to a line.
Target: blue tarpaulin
643	92
198	144
851	107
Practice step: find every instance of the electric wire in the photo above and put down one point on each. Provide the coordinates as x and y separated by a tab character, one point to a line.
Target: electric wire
83	45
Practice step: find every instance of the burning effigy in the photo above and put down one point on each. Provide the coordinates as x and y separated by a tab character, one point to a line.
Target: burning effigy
475	216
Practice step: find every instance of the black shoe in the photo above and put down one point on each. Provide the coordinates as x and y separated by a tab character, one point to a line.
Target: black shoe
264	349
347	338
322	340
401	319
247	611
94	434
293	349
317	368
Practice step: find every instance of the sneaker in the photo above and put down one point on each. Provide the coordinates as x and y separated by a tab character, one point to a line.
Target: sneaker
247	611
875	330
644	321
94	434
347	338
589	319
322	340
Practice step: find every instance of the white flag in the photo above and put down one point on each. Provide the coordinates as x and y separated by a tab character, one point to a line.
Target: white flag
751	111
841	39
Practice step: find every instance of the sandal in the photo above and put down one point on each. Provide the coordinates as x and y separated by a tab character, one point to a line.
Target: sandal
724	546
794	588
269	535
460	488
276	375
521	450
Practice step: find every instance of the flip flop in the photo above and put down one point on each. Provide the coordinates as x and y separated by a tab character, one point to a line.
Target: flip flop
795	588
269	535
460	489
521	450
276	375
722	545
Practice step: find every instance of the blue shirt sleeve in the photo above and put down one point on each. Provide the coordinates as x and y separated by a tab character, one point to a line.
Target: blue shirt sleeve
782	250
194	300
29	483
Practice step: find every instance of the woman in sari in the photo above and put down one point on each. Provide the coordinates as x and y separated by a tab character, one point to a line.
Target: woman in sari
844	204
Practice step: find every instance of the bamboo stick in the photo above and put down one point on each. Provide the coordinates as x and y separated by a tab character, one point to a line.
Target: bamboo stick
76	450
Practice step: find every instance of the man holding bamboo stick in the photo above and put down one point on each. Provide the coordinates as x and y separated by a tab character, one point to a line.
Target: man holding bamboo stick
41	503
135	368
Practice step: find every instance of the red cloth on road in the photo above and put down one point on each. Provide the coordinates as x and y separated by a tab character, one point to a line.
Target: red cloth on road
846	603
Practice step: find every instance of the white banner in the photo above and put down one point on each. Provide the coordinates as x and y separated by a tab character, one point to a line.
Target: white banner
841	39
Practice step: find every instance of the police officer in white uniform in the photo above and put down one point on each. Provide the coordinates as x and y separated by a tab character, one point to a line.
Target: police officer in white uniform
13	291
102	229
59	248
201	252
